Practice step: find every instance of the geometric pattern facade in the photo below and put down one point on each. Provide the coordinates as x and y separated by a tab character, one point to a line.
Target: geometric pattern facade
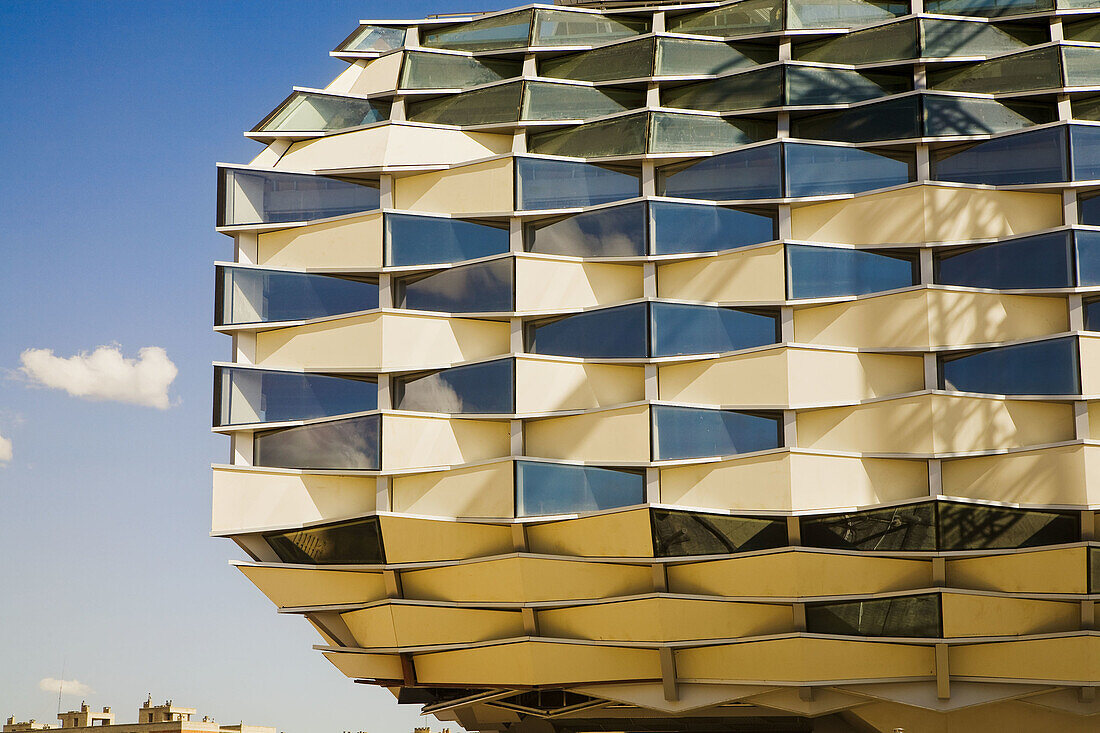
724	366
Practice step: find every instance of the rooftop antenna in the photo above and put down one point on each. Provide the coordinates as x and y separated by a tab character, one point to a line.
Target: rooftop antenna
60	684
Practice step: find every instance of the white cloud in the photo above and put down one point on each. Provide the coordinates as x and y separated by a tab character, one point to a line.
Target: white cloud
68	687
5	450
105	374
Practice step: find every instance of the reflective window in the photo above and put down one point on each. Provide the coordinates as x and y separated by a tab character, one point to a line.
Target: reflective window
1084	143
978	527
559	184
617	231
477	388
247	295
243	396
358	542
811	86
555	488
679	534
824	272
618	332
742	174
944	115
1044	261
893	42
1030	157
946	38
374	38
481	288
1082	30
895	119
736	19
910	527
1080	66
1086	108
627	60
690	432
1088	257
549	101
564	28
1088	209
423	240
905	616
699	329
986	8
308	111
1039	368
841	13
816	170
618	136
682	57
500	103
447	71
342	444
1022	72
681	228
681	133
1092	315
509	30
264	197
750	90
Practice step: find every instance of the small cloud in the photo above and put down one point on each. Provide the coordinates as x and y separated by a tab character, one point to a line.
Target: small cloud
105	374
5	451
67	687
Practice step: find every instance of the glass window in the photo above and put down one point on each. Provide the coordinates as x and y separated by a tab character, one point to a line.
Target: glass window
699	329
1088	257
736	19
476	388
1088	209
1084	143
374	38
424	240
978	527
560	184
1092	315
349	543
681	228
1038	368
1080	66
750	90
1086	108
1082	30
893	42
909	527
1022	72
825	272
683	57
500	103
904	616
549	101
309	112
946	38
617	231
555	488
342	444
691	432
1038	156
945	115
619	136
807	85
896	119
243	396
987	8
509	30
679	534
816	170
481	288
246	295
618	332
680	133
265	197
742	174
627	60
565	28
447	71
841	13
1094	569
1044	261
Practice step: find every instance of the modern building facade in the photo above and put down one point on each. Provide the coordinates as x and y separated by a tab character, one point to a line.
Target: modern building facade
166	718
682	367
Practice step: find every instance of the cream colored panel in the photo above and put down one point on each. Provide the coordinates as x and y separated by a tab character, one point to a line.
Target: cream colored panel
894	426
378	75
410	539
549	285
1004	717
794	573
1090	364
394	144
348	244
1045	571
547	386
742	276
757	378
480	187
308	587
1048	476
257	499
417	340
373	627
960	318
1094	420
608	435
480	491
403	625
1071	659
622	534
368	666
969	615
354	342
419	442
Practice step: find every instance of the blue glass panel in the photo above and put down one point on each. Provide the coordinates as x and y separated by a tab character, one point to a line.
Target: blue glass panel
689	432
1042	367
263	197
1045	261
1030	157
347	444
1088	257
618	231
253	395
246	295
817	170
425	240
618	332
1088	209
681	228
700	329
560	184
1092	315
1084	141
478	388
743	174
481	288
823	272
551	488
358	542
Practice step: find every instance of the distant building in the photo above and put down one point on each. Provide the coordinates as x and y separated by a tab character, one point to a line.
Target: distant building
166	718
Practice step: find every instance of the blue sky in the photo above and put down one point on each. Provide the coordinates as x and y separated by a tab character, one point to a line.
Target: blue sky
114	113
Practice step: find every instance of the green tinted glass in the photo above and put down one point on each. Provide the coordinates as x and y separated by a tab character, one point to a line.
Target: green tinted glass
944	115
374	38
1078	4
763	88
1087	109
446	71
946	38
891	42
987	8
895	119
565	28
1039	69
1084	30
737	19
1081	66
810	85
494	104
675	133
681	57
620	136
628	60
548	101
841	13
502	31
305	111
913	616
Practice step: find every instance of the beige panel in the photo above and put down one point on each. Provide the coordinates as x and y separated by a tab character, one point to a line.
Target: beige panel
352	243
926	214
418	442
665	619
622	534
794	573
308	587
960	318
742	276
367	666
393	143
480	491
378	75
403	625
1094	420
756	378
373	627
547	386
351	342
1045	571
1003	717
1047	476
969	615
480	187
410	539
1075	658
549	285
1090	364
258	499
608	435
805	660
414	340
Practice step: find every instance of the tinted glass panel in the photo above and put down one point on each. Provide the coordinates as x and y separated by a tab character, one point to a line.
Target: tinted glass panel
305	111
1030	157
1027	71
1094	570
618	231
679	228
562	28
896	119
987	8
688	432
1043	367
261	197
620	136
610	332
738	19
841	13
1080	66
911	527
1088	209
699	329
484	287
677	534
421	240
547	101
619	61
551	488
916	616
502	31
808	85
255	296
445	71
500	103
1086	108
1082	30
681	57
1045	261
961	116
251	396
559	184
891	42
374	38
1088	257
822	272
945	38
478	388
815	170
676	133
751	90
1085	145
744	174
348	543
348	444
1092	315
976	527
